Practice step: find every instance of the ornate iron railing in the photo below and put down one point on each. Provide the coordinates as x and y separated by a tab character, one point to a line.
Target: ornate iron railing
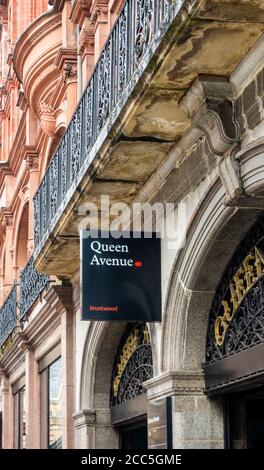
8	316
32	284
133	41
236	319
133	364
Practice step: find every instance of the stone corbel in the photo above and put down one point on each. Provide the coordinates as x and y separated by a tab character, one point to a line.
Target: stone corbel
8	221
31	158
80	10
86	41
24	344
66	62
209	106
3	373
99	13
69	73
230	174
47	118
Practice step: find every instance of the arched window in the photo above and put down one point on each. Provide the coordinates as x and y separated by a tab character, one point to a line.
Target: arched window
132	365
235	335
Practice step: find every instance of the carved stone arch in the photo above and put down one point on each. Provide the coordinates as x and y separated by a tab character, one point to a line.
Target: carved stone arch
100	348
100	352
213	235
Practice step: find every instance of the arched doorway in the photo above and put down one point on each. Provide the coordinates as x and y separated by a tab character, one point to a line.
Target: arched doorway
128	402
234	365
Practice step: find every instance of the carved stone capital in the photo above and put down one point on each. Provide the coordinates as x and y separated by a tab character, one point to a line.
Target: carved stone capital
69	73
209	105
31	157
24	344
99	13
175	383
32	163
47	118
46	109
80	10
84	419
8	221
86	42
4	374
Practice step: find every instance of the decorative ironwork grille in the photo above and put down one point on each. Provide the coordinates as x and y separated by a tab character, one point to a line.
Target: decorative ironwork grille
133	364
32	284
134	39
236	320
8	316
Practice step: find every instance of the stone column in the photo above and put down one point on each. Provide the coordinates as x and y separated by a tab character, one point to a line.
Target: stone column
32	161
32	392
99	21
7	432
84	422
93	430
86	50
64	293
106	437
69	76
9	274
197	420
5	146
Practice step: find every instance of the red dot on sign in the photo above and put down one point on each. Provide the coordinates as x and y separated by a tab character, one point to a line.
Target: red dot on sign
138	264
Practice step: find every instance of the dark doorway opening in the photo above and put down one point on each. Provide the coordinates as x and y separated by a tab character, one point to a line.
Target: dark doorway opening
134	436
245	420
255	423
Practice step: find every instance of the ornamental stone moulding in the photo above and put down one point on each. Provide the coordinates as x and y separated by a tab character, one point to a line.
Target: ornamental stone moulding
86	42
47	118
69	73
8	220
99	13
80	10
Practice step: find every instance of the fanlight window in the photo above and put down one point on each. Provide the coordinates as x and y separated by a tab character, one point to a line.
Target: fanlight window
236	320
133	364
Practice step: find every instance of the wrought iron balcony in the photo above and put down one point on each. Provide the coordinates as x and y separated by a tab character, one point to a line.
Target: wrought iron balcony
132	43
29	289
32	284
132	113
8	316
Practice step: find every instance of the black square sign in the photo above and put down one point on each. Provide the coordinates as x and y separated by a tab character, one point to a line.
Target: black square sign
120	277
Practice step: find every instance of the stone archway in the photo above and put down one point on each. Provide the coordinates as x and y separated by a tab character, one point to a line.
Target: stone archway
103	346
213	236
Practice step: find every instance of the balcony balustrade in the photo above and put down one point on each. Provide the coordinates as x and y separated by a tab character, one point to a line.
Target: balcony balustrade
133	112
137	32
20	299
8	316
32	284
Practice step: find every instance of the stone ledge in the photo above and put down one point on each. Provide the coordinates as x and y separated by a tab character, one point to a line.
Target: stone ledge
175	383
84	418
